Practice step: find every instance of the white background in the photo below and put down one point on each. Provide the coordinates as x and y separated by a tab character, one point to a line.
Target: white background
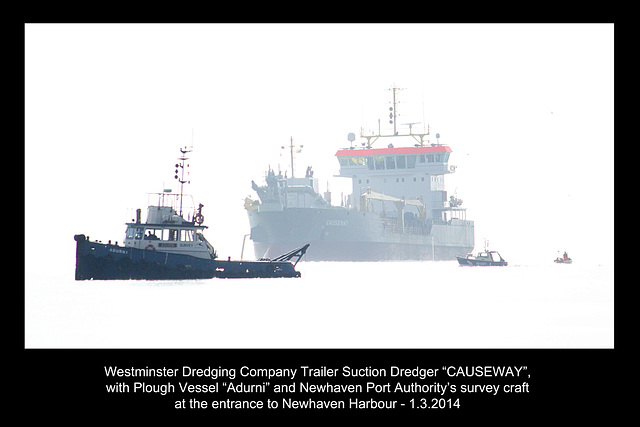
527	110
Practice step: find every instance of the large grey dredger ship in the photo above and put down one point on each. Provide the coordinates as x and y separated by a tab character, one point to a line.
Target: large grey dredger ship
398	209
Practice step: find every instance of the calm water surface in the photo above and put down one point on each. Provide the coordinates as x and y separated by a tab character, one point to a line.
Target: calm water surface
333	305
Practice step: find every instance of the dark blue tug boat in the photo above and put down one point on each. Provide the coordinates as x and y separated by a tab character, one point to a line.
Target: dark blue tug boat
169	247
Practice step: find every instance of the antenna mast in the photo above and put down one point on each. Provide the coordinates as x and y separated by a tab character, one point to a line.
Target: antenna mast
393	116
182	166
291	147
394	111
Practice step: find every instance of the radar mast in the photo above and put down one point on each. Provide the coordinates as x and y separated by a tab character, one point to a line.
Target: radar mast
182	165
393	116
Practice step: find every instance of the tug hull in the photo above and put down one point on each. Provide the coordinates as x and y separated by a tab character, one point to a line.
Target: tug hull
100	261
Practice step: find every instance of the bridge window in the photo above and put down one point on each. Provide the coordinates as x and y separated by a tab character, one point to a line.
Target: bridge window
152	234
379	160
352	161
186	235
139	233
391	163
357	161
370	162
401	162
411	161
134	233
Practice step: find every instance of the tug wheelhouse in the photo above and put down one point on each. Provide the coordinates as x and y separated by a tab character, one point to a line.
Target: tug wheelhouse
167	231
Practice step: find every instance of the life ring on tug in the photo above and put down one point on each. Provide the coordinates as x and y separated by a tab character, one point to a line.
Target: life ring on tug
150	246
198	218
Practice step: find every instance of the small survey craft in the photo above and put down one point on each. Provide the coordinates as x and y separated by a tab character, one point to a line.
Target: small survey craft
484	258
169	247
